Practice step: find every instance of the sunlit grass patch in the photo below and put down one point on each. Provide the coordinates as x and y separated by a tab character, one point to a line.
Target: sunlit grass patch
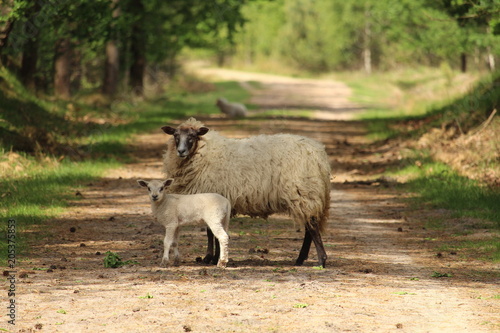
40	192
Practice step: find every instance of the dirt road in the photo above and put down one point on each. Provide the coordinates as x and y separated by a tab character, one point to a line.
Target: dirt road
381	259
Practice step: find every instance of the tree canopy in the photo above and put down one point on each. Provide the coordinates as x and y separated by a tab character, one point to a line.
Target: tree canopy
60	46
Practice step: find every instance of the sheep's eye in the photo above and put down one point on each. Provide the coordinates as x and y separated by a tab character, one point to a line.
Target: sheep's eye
149	189
161	189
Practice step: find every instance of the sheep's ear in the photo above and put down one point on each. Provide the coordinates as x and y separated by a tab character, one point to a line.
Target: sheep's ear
202	131
168	130
168	182
143	183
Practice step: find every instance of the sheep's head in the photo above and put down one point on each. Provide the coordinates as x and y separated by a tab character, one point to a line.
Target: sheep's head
155	187
186	138
221	101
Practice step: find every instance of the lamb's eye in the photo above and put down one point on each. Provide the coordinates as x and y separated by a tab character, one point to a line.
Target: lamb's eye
149	189
161	189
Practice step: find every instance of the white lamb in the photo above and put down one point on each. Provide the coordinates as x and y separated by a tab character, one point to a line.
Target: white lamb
231	109
173	210
260	175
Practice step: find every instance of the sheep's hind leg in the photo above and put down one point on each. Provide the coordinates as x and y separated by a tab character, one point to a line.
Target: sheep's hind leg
312	234
304	251
318	242
210	257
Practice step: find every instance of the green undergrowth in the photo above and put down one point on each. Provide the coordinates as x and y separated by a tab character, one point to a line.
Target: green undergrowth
455	204
408	104
438	186
40	192
49	148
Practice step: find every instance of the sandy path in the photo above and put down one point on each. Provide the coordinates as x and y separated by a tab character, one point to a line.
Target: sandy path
327	98
379	278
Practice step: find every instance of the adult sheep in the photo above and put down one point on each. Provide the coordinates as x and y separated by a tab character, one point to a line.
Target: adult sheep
231	109
260	175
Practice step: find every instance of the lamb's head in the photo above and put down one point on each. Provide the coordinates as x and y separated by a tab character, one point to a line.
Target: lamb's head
155	187
221	101
186	136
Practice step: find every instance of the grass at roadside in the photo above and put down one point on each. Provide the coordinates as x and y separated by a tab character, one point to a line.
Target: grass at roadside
438	186
406	105
72	143
463	212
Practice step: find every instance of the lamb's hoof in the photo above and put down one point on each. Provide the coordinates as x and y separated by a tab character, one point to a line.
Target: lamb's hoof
164	263
222	264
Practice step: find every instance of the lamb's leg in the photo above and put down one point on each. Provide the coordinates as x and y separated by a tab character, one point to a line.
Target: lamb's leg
304	251
318	242
210	247
175	248
167	243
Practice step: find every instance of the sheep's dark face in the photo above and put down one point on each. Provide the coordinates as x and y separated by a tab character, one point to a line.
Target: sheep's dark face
186	139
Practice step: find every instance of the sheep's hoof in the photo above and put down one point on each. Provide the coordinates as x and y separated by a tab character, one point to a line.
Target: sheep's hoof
208	258
300	261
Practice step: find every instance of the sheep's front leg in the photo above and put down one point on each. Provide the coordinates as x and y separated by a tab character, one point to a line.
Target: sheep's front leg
210	247
168	241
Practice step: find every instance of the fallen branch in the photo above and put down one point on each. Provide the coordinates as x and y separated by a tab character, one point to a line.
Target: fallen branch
483	126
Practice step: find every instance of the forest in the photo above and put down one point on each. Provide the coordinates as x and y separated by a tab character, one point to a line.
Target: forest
62	47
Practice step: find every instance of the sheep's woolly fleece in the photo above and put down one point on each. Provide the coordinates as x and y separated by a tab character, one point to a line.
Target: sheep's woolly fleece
231	109
260	175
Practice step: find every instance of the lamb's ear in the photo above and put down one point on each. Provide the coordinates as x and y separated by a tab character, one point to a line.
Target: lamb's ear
202	131
168	182
143	183
168	130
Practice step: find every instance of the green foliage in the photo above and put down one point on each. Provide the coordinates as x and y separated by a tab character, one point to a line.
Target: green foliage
39	191
441	275
439	186
327	35
475	106
112	260
300	305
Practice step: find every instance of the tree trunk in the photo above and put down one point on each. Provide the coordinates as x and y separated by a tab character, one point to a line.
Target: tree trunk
28	63
30	47
62	68
4	33
463	62
112	65
367	53
491	62
111	70
137	50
